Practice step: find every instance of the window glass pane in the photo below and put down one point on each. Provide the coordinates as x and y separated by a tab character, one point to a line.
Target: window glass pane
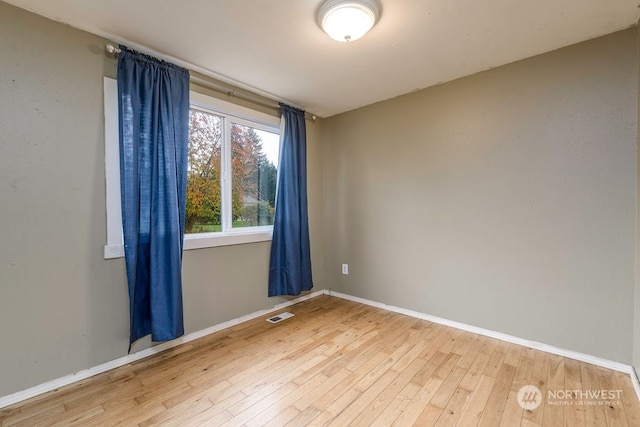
254	163
203	184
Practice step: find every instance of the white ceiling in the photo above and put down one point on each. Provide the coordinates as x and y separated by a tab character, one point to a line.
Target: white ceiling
275	47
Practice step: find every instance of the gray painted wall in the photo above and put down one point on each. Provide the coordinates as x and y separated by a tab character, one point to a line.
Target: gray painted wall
505	200
63	308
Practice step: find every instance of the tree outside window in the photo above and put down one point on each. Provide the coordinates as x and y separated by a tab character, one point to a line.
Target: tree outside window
253	172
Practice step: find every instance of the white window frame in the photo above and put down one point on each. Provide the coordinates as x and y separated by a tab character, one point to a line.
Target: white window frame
229	236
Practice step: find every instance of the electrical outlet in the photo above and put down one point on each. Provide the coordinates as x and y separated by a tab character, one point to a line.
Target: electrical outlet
345	268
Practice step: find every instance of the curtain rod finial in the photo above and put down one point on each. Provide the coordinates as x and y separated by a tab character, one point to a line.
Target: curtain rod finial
112	49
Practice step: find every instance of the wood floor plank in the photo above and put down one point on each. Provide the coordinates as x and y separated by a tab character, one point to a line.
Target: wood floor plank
452	341
337	362
573	414
79	416
126	415
284	404
279	420
479	364
448	387
179	412
407	396
347	381
441	336
427	370
512	414
631	408
498	397
364	401
554	413
273	382
429	416
257	406
377	405
17	417
304	417
539	377
218	413
464	343
610	399
494	364
305	400
415	410
453	411
472	412
472	352
594	413
398	405
513	355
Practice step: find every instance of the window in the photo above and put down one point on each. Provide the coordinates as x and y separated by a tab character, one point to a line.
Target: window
231	177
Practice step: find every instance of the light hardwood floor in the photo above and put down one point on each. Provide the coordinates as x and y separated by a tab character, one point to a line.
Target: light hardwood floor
339	363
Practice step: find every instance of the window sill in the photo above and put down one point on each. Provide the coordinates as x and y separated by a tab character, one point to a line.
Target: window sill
207	240
239	237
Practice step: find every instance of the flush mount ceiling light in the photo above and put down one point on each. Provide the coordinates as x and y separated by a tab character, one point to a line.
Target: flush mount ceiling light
348	20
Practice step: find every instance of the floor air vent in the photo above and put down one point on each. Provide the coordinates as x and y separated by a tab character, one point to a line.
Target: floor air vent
280	317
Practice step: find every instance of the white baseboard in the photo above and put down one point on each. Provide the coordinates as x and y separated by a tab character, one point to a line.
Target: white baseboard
634	380
598	361
84	374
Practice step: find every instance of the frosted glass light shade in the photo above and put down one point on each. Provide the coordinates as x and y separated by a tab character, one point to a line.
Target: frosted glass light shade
348	20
